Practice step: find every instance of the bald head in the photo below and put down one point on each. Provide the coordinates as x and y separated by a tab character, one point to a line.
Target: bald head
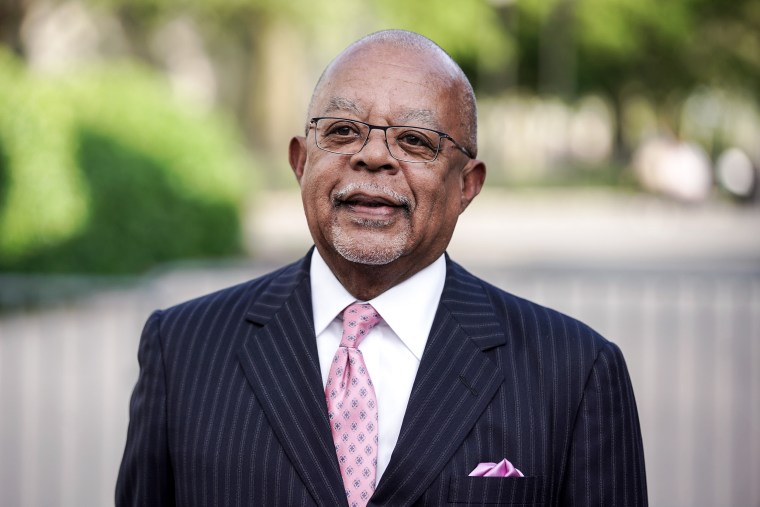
421	51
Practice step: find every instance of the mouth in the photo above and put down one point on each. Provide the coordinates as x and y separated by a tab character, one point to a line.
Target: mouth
370	200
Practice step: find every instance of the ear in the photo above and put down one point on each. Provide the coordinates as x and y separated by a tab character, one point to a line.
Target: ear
297	156
471	180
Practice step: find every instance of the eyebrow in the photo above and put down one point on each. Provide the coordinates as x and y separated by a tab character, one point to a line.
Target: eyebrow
342	104
416	116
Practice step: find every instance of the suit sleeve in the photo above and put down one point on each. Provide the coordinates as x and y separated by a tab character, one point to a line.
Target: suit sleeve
606	462
145	477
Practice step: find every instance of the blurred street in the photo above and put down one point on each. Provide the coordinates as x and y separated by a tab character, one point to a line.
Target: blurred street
678	288
575	228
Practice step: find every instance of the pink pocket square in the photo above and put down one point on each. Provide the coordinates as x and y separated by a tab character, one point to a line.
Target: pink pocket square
501	469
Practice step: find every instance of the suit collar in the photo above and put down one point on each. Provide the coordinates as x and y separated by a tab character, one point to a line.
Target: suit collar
279	289
466	298
280	360
454	384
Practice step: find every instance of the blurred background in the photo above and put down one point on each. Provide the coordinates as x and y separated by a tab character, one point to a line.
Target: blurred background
143	162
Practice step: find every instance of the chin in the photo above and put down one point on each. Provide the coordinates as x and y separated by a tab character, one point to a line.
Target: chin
369	258
372	253
369	245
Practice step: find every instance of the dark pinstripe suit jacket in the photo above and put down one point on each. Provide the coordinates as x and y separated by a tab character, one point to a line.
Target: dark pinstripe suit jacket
229	408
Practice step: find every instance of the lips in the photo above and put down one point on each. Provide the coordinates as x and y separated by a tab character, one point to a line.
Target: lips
370	206
371	201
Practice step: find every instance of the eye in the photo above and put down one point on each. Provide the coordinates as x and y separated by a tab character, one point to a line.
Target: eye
415	139
411	140
342	129
340	135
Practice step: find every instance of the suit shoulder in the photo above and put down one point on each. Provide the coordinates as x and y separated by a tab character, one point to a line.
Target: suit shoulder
527	318
236	298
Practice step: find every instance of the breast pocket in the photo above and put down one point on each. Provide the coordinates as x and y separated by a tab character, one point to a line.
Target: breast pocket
497	491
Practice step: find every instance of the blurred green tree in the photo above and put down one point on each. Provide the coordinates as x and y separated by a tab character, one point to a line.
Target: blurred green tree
657	50
105	171
470	30
11	15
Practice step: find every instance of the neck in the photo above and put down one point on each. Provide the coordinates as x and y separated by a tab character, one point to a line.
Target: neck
366	281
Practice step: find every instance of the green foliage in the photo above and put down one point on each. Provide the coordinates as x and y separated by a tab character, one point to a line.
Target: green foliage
606	45
106	172
619	49
470	30
651	47
41	202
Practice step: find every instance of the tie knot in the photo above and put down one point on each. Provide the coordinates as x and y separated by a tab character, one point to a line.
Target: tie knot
358	319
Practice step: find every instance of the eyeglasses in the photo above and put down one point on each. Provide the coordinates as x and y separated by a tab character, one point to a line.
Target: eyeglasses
407	144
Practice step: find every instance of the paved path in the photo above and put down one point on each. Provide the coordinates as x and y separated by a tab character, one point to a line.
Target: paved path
579	228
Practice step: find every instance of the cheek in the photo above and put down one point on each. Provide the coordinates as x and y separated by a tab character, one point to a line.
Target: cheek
437	206
443	196
315	187
313	197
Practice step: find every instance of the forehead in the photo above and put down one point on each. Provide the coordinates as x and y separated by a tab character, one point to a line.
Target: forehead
392	84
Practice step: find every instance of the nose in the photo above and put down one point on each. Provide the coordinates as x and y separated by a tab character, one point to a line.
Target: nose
374	155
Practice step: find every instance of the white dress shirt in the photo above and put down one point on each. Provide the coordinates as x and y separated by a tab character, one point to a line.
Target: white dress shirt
392	350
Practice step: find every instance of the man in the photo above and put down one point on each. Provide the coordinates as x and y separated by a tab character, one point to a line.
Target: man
243	400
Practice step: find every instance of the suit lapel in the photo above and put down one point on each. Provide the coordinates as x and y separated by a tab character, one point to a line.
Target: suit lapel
280	360
454	384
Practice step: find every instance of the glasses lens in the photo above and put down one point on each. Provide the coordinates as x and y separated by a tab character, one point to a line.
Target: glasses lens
341	136
413	144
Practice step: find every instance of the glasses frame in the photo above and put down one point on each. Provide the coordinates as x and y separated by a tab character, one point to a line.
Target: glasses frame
442	135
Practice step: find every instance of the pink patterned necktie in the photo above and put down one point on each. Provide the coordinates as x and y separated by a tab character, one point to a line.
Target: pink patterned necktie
352	407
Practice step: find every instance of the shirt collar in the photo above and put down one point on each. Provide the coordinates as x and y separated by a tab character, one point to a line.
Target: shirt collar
408	308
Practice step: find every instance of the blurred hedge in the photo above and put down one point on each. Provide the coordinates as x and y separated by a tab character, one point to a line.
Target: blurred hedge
106	171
